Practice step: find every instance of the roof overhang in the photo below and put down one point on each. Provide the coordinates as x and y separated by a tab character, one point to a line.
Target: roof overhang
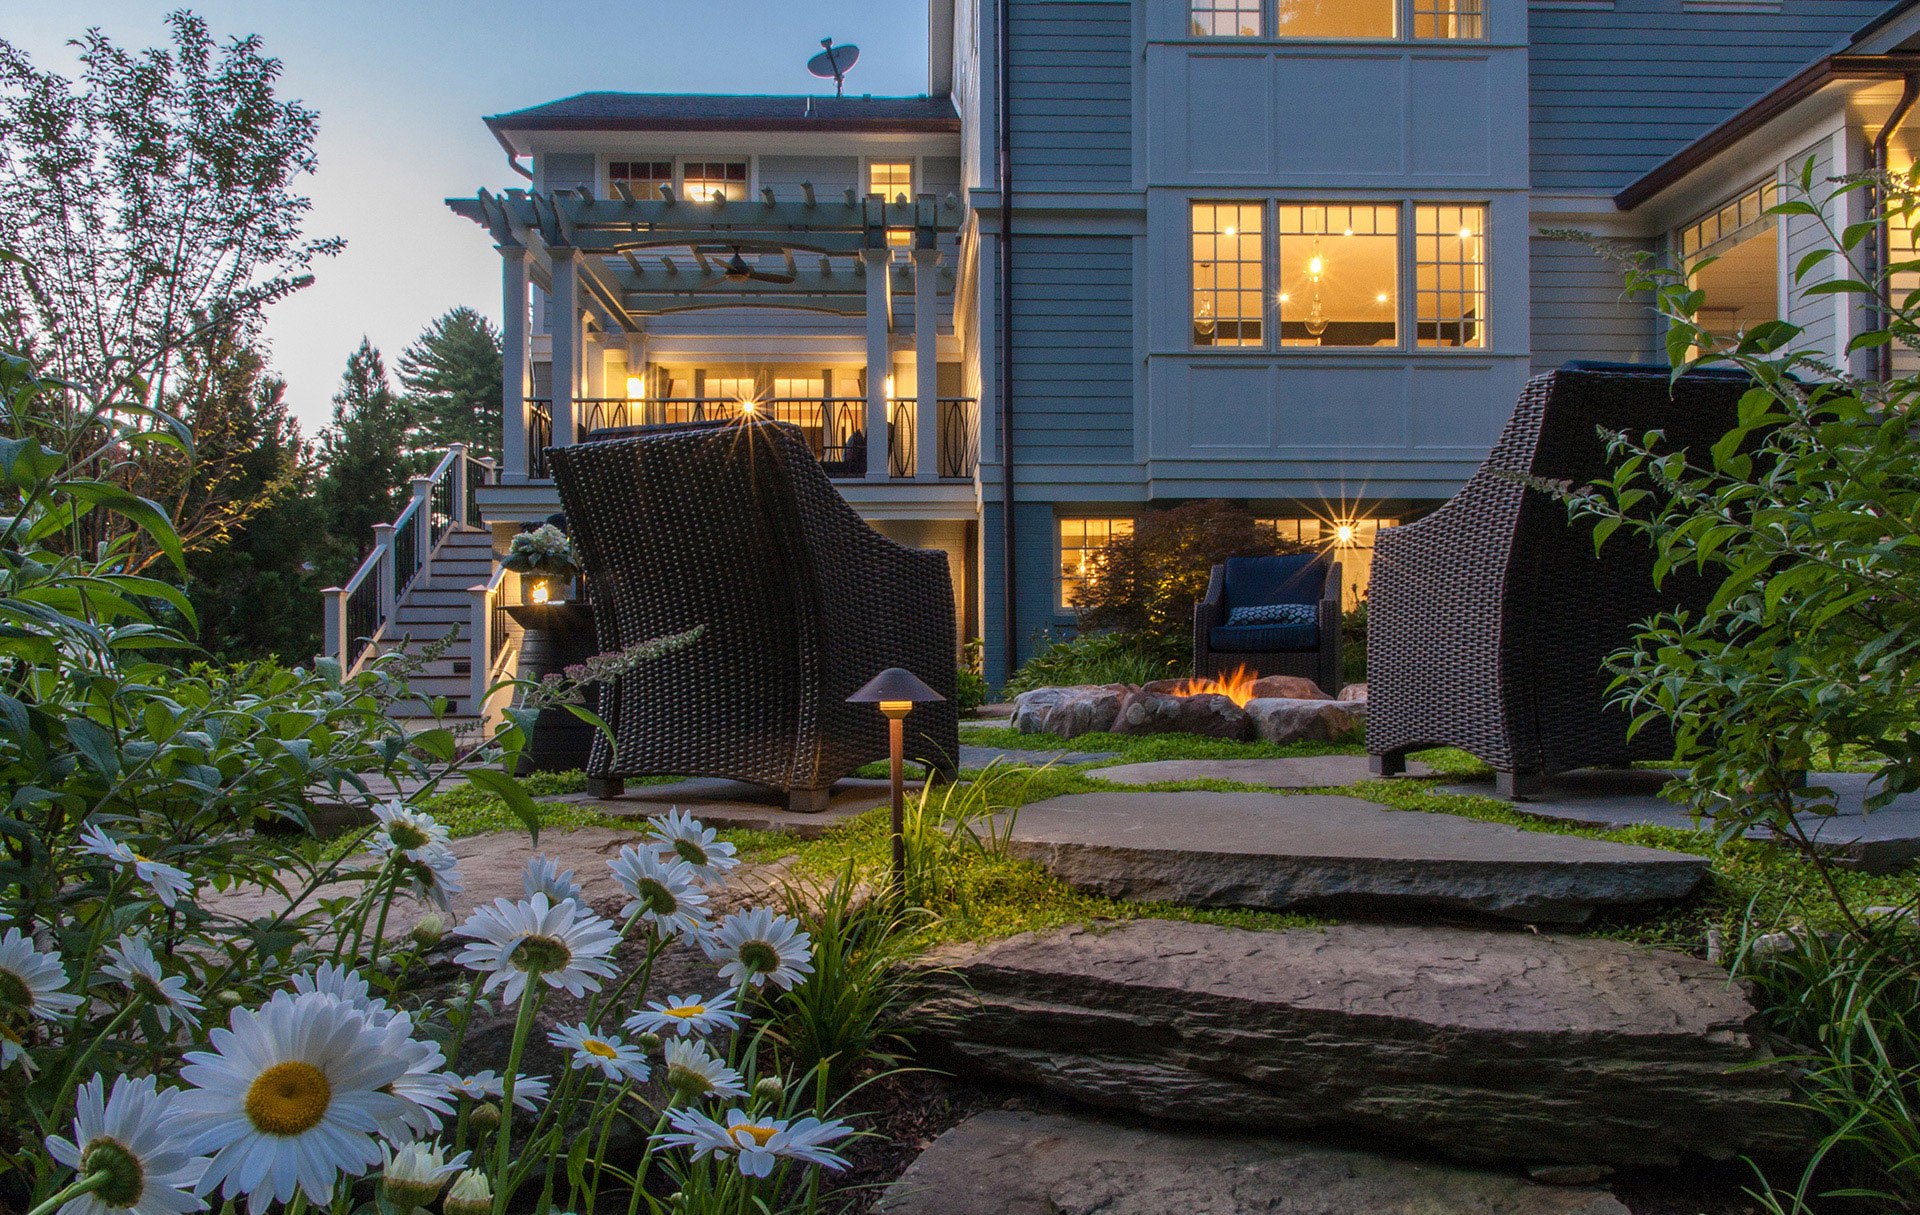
1865	87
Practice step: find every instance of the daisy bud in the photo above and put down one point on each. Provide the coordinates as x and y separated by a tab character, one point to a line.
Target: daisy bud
649	1042
470	1195
231	998
427	933
414	1176
485	1116
769	1088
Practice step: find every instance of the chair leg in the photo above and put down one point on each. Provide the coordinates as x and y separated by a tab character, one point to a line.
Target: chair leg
1393	763
808	801
1518	786
605	786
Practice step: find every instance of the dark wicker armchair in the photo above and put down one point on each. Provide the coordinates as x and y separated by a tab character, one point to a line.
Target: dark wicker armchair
734	526
1309	649
1490	619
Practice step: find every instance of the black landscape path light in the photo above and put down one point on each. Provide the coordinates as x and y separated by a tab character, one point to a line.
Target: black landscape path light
896	690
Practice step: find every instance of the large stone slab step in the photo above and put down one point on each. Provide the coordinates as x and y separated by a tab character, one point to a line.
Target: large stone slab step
1485	1045
1007	1163
1274	852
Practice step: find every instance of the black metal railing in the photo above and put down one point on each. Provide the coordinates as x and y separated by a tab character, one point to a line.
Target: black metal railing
959	420
407	557
539	437
479	473
363	616
496	626
900	437
439	507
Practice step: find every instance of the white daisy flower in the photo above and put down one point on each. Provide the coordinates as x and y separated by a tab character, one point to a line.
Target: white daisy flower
33	981
168	883
686	838
403	829
555	942
694	1072
131	961
413	1175
289	1098
432	876
133	1137
544	876
347	986
665	891
615	1059
528	1091
759	947
689	1016
426	1089
757	1143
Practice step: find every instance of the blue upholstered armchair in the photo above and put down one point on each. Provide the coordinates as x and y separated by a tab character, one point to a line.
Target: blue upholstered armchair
1273	615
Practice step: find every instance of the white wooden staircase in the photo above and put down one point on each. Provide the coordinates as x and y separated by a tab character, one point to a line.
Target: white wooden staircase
432	575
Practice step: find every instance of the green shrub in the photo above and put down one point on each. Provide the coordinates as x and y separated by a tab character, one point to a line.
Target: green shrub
971	681
1146	583
1353	644
1099	658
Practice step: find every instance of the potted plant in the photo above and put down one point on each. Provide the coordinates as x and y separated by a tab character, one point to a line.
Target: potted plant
543	556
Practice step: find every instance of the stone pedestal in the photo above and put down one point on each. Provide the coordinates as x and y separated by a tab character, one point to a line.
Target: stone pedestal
557	636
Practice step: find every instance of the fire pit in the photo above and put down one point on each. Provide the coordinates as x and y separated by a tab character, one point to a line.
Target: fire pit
1241	705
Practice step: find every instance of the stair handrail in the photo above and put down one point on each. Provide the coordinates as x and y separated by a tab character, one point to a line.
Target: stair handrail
488	637
359	613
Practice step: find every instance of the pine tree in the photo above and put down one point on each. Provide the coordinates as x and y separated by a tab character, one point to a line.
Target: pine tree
452	377
366	460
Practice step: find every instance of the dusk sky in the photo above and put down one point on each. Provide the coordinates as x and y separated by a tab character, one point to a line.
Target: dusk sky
401	85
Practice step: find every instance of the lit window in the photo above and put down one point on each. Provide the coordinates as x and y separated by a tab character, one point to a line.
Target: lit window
705	179
1450	275
799	388
643	177
1229	275
1339	275
1449	19
1227	18
892	180
1343	19
1742	286
1081	542
1350	541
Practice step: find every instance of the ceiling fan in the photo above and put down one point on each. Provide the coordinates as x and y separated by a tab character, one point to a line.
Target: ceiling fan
738	270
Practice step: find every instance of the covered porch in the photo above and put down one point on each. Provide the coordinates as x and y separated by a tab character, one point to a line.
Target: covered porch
607	340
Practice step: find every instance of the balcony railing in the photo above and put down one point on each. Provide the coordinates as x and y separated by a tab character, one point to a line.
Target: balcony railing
834	428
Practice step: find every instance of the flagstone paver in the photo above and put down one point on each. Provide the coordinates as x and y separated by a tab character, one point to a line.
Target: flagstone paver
1009	1163
1272	852
974	757
1296	772
1481	1044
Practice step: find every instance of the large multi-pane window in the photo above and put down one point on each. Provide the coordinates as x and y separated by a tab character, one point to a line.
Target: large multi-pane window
1348	541
701	180
643	178
1229	274
1339	274
1082	540
1450	275
1742	282
1338	19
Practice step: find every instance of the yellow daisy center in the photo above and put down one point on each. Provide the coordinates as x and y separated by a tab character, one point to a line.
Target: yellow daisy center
686	1010
759	1134
288	1098
598	1049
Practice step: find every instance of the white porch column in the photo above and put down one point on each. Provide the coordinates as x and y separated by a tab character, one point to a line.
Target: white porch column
879	264
566	342
926	369
513	363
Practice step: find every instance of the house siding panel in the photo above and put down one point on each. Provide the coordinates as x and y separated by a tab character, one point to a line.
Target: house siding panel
1073	348
1581	309
1072	93
829	174
1615	91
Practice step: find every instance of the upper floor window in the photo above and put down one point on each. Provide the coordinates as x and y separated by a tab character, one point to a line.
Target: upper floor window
701	180
1339	274
892	180
1229	274
642	177
1338	19
1450	275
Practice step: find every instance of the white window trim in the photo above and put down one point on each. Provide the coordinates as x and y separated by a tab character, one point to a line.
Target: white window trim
1060	605
603	170
1406	303
1403	22
866	174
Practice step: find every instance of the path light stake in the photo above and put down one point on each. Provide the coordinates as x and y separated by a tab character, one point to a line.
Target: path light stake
896	690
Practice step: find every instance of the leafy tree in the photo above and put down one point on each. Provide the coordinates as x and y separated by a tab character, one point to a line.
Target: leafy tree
157	196
1145	584
452	377
365	457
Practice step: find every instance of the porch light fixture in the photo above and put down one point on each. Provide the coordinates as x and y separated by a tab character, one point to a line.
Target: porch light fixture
895	691
1343	534
636	388
538	591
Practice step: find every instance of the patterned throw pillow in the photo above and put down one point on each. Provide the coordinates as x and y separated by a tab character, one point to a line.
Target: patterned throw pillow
1275	613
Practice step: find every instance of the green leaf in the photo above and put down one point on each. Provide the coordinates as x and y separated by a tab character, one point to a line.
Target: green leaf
141	512
513	793
438	743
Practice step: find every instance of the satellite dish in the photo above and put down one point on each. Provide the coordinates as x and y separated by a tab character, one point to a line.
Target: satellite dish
833	63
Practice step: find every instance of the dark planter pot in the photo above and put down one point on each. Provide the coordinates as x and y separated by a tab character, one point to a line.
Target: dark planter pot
557	636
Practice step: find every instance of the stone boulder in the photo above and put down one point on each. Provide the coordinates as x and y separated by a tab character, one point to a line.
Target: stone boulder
1068	712
1009	1163
1286	687
1482	1045
1354	691
1282	720
1212	715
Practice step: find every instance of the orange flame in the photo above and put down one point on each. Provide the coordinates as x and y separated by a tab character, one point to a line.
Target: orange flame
1236	686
